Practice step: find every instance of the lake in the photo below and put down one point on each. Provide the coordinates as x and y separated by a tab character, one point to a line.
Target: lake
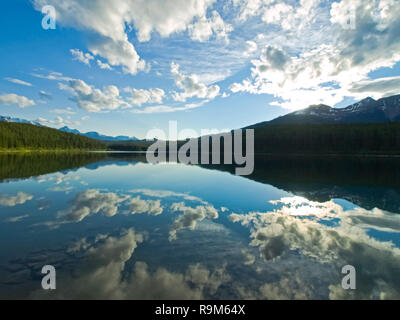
117	227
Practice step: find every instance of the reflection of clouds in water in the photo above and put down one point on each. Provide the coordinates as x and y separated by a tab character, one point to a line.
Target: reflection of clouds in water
102	274
92	201
62	182
249	259
166	194
290	229
65	189
57	178
12	201
16	219
289	287
151	207
191	216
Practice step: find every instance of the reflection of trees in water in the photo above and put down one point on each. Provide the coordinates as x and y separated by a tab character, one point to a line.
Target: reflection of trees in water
366	181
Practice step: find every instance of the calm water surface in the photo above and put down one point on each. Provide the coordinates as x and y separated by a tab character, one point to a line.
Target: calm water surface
116	227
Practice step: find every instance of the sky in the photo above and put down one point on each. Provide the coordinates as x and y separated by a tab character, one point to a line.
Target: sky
125	67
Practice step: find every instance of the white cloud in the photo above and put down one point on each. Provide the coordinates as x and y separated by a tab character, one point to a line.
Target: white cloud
377	88
324	58
203	29
82	57
141	96
57	122
251	47
13	99
104	66
67	110
92	99
17	81
112	21
12	201
191	86
169	109
118	53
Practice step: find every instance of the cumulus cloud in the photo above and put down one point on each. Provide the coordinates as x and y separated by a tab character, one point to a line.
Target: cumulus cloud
191	86
92	99
104	66
14	99
12	201
82	57
118	53
251	47
57	122
112	21
204	28
141	96
328	55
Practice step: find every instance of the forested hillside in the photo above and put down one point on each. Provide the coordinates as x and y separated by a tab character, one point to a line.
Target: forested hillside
27	136
329	138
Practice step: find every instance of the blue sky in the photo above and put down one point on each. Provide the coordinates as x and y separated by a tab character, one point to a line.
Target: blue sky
124	67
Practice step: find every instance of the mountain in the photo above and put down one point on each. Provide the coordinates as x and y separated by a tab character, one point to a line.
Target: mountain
98	136
92	135
17	120
365	111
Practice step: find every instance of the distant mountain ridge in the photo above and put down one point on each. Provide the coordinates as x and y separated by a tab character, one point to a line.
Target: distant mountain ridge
98	136
365	111
93	134
17	120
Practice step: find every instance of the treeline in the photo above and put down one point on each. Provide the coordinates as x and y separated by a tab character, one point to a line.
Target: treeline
132	145
380	138
25	136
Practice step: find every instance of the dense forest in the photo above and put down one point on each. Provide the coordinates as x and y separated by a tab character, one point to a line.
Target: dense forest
377	138
132	145
314	139
29	137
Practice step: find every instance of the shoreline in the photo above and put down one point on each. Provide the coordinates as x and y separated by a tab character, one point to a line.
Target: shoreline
369	155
